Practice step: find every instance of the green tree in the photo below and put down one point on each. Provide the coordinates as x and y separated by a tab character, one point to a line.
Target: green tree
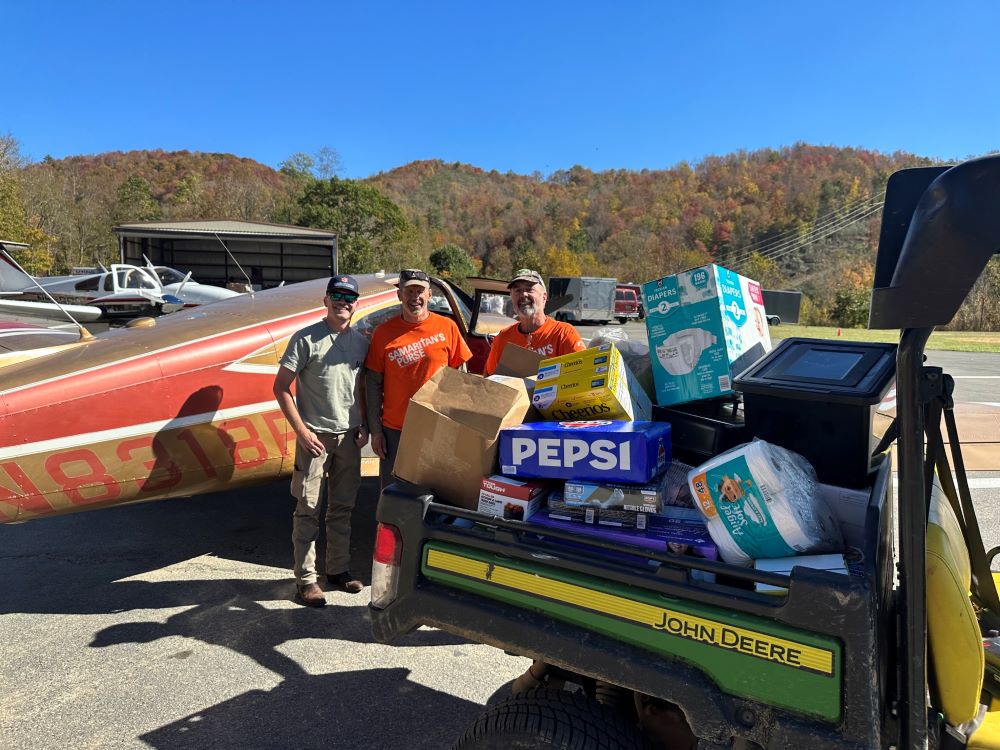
763	270
850	307
526	255
15	223
135	200
324	164
452	262
372	232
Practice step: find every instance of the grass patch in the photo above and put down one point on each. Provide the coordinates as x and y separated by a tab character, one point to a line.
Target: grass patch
949	341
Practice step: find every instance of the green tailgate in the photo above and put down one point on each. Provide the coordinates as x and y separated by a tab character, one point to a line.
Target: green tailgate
746	656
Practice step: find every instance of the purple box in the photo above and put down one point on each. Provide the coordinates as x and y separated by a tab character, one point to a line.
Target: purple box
698	545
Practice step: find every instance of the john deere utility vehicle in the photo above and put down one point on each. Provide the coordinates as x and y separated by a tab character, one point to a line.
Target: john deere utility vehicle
655	649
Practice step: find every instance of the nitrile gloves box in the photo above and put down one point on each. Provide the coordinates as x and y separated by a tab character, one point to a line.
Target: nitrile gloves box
602	450
705	326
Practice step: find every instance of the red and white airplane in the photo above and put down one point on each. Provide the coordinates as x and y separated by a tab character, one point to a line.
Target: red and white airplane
171	406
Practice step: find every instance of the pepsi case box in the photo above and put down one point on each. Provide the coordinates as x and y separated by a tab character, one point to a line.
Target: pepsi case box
601	450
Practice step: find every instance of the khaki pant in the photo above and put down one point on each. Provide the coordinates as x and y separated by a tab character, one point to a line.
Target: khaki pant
340	465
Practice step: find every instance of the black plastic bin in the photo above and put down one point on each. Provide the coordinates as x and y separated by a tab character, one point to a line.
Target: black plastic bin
818	398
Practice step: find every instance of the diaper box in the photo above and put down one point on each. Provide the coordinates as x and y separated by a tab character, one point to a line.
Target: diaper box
599	449
593	383
705	326
513	499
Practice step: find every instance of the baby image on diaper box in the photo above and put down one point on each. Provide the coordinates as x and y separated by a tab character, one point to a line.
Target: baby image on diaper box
705	326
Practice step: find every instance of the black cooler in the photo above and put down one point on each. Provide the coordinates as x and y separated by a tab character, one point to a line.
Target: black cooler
818	398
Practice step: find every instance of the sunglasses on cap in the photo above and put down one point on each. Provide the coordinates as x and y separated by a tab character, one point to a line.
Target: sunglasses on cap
343	297
412	275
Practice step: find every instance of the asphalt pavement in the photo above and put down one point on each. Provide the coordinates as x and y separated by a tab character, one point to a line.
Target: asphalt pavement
172	625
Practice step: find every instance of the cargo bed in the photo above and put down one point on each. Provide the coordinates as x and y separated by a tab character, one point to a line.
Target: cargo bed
778	670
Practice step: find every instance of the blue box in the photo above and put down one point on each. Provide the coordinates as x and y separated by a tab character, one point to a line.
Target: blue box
601	450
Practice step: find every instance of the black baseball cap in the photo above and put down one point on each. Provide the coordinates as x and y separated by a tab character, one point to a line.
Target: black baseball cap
410	276
342	284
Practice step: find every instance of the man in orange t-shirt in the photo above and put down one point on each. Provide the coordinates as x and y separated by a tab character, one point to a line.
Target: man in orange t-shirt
405	352
534	329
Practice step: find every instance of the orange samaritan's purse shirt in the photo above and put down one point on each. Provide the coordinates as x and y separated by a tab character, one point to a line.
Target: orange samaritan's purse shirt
552	339
408	355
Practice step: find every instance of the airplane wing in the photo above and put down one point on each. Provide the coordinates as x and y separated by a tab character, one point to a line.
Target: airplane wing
11	306
23	341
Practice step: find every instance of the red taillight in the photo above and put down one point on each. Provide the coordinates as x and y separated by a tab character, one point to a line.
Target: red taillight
388	545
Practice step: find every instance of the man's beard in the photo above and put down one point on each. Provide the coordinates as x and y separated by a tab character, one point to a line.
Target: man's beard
526	311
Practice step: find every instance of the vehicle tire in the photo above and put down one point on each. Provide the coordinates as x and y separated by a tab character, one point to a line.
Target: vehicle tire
622	321
773	320
543	719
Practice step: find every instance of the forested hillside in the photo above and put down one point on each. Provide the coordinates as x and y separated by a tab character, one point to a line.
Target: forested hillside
802	217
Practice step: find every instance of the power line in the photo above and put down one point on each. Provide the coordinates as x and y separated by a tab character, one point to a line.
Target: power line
793	236
833	230
817	230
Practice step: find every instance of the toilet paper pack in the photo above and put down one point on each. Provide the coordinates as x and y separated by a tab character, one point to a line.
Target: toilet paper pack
760	500
705	326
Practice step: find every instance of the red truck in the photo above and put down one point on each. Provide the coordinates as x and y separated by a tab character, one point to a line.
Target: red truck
628	303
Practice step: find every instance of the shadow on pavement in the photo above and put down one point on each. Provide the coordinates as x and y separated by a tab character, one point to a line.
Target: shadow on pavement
365	710
75	563
227	613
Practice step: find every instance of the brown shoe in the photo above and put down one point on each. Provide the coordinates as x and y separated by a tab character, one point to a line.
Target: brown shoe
312	595
344	582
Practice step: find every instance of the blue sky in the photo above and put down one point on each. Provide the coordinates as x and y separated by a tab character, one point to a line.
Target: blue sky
511	86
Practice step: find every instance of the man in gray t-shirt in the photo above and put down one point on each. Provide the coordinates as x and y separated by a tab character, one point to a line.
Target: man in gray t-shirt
325	360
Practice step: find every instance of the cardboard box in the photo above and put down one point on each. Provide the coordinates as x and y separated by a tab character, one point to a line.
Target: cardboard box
595	360
685	541
665	521
850	508
528	381
705	326
593	383
509	498
559	510
518	362
450	433
832	562
601	450
637	498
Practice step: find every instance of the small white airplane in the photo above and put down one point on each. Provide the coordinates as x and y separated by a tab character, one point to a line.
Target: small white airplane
123	291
